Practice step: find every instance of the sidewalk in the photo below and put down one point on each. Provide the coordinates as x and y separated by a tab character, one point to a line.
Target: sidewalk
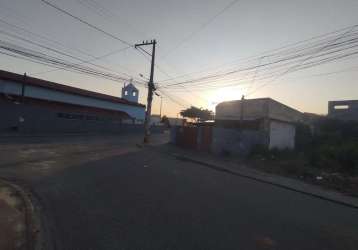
231	167
15	226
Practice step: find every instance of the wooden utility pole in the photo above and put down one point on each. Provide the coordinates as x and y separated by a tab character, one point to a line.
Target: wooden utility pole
242	108
151	88
161	103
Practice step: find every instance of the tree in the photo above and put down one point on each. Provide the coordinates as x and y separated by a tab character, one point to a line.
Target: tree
165	121
198	114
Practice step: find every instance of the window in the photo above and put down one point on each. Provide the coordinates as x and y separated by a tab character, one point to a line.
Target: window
82	117
70	116
341	107
125	92
134	93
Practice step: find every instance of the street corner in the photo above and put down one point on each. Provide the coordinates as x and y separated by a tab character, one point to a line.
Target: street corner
16	227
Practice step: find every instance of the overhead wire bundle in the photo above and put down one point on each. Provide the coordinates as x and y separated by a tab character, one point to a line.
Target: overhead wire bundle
17	51
266	67
331	47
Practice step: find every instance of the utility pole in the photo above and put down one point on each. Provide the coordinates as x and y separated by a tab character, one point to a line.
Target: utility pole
242	108
161	104
151	87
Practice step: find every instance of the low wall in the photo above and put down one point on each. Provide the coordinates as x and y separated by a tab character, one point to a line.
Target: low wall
218	140
235	141
186	137
198	138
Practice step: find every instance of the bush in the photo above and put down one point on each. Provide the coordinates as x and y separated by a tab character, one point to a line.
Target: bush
341	157
303	138
332	148
259	151
262	152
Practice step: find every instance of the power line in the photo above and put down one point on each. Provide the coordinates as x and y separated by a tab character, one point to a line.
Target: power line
256	72
56	51
271	82
18	30
109	34
37	35
272	74
106	13
180	103
173	99
44	59
268	53
88	61
318	51
201	27
86	23
294	55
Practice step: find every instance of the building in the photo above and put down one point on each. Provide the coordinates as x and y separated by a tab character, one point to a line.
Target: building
343	110
155	120
130	92
33	105
241	124
313	120
254	109
176	121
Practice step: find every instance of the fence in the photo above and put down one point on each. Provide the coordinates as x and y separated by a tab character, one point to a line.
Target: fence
217	140
198	138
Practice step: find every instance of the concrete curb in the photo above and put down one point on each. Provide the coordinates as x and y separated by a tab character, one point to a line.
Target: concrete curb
29	215
282	182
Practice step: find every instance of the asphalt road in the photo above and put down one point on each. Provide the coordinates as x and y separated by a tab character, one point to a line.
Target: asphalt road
145	199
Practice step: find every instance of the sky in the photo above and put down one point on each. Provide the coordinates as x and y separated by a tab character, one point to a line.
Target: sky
192	35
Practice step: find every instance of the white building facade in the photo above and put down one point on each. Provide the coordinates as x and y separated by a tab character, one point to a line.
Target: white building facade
273	121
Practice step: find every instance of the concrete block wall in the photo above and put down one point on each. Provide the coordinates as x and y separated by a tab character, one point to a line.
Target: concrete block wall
231	110
235	141
253	109
279	111
343	110
32	119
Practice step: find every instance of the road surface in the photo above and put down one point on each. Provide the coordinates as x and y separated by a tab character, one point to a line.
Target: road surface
110	194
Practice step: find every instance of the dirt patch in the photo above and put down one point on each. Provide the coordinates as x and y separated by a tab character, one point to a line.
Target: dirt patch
265	243
12	219
297	168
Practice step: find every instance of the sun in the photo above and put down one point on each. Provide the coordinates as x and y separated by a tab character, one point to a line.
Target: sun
224	94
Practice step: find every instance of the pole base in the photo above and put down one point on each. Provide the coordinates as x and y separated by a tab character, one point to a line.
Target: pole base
146	139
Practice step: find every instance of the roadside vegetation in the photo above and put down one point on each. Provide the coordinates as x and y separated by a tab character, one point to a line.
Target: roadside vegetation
197	114
325	154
